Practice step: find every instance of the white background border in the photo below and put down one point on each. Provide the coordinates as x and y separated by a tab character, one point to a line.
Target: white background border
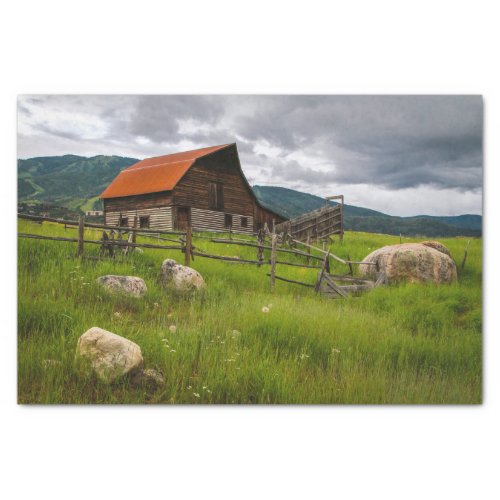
448	47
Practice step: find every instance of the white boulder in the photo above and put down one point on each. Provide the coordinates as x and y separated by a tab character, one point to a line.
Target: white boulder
127	285
412	262
182	278
111	356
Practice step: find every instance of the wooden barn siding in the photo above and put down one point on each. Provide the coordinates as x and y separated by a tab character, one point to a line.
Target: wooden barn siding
151	200
192	190
159	217
206	220
263	216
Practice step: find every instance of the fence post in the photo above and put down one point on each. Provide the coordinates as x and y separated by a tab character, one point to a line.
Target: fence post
274	240
112	246
81	228
308	248
188	246
134	237
465	255
260	250
351	271
342	219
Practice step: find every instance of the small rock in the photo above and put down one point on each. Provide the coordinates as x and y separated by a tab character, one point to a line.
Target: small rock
111	356
127	285
148	378
182	278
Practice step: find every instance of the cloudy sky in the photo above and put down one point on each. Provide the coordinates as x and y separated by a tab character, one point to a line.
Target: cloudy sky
403	155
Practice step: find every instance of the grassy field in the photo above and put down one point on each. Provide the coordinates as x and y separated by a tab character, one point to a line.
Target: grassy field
398	344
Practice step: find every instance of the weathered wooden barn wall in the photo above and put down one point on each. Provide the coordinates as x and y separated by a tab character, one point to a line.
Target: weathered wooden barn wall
154	205
263	216
159	218
220	167
151	200
206	220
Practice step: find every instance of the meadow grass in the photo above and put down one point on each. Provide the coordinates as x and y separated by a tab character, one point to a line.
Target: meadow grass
397	344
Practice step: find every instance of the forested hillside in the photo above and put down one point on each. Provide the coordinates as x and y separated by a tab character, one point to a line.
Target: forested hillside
75	182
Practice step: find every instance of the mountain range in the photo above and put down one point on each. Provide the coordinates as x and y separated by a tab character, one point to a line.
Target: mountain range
74	183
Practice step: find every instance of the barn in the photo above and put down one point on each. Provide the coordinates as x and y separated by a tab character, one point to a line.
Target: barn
204	188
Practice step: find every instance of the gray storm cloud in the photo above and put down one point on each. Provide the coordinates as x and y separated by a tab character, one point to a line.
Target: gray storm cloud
390	142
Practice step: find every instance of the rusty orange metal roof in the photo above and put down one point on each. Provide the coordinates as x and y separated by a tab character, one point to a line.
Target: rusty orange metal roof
152	175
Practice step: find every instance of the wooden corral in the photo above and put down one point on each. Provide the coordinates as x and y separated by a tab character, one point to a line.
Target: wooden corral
317	225
203	189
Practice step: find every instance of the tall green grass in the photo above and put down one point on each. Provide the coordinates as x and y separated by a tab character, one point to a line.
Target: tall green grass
399	344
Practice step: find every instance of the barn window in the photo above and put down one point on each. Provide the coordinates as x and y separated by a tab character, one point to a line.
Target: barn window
123	221
228	220
244	222
144	221
215	196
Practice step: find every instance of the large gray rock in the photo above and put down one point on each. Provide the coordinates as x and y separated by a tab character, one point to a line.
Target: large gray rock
180	277
126	285
111	356
412	262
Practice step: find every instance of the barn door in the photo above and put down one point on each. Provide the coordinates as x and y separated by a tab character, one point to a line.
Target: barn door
183	218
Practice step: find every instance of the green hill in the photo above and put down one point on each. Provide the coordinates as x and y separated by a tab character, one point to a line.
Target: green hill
294	203
68	180
75	182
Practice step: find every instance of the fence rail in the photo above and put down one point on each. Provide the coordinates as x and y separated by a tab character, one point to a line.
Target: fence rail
325	282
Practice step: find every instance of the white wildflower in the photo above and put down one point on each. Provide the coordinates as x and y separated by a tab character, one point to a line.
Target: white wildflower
188	387
334	351
265	309
172	328
196	395
173	350
47	363
156	304
117	314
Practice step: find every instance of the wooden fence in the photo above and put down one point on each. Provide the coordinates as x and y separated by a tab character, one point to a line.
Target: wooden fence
113	240
317	225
